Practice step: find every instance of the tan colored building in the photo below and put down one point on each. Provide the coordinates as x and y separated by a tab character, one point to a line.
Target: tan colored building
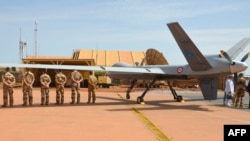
86	58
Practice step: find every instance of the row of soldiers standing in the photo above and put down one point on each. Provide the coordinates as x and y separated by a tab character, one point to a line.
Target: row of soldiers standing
45	80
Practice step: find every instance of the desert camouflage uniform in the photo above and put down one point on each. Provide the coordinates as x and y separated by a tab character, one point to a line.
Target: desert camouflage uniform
8	82
76	78
45	81
240	91
28	80
91	88
60	79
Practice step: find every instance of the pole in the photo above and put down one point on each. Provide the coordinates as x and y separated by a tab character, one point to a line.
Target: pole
35	38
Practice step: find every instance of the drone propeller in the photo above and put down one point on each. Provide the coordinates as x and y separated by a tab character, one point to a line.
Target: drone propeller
245	57
227	57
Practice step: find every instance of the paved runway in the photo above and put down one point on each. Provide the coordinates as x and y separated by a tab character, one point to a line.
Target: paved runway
115	118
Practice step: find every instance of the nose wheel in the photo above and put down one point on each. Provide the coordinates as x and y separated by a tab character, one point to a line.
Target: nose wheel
130	88
128	96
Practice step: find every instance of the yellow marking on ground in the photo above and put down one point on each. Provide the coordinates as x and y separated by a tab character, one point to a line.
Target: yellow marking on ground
154	129
120	96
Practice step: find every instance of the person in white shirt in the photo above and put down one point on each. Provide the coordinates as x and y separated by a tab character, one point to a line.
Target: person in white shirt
229	90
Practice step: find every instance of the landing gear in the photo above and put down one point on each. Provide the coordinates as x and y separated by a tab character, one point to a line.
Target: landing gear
130	88
127	96
139	100
178	98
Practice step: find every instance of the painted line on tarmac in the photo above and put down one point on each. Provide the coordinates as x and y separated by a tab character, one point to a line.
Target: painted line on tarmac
120	96
151	126
154	129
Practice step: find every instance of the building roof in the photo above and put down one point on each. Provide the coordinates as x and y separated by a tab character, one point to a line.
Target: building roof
90	57
109	57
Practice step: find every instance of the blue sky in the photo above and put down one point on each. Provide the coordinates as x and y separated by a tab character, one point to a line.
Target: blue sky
136	25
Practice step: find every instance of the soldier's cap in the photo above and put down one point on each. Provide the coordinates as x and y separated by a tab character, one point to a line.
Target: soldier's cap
241	74
7	68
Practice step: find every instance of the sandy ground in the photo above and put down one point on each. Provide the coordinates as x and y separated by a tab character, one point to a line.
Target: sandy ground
112	117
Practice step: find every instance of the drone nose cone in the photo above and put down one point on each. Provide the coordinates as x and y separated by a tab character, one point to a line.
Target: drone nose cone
245	66
238	67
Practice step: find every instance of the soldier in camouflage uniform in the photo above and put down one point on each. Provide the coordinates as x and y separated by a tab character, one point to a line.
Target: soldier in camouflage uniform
91	87
8	81
240	90
76	79
45	81
60	79
28	80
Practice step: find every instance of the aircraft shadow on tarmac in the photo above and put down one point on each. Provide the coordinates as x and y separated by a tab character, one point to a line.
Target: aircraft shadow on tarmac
163	106
115	101
166	104
156	105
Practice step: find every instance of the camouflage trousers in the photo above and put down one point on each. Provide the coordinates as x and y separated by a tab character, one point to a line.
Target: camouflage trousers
75	89
239	98
44	96
91	94
8	92
27	95
59	94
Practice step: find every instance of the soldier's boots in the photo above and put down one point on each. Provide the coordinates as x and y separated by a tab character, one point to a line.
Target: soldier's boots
236	102
30	100
24	101
88	100
94	98
57	99
4	105
5	101
42	101
47	100
72	102
11	102
73	98
62	99
241	105
78	100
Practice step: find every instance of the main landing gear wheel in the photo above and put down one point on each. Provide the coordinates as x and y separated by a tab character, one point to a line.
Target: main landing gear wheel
179	98
127	96
139	100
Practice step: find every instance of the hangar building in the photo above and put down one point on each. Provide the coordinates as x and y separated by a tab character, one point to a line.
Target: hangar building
83	57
